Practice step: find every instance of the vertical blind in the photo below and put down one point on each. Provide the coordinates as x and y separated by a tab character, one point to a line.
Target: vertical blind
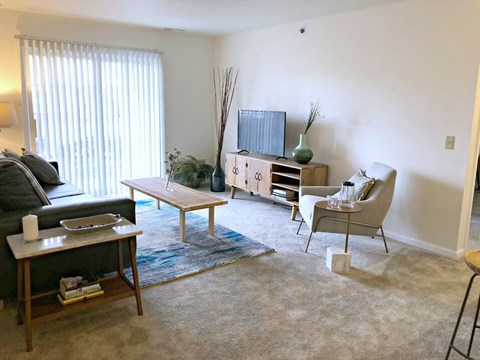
97	110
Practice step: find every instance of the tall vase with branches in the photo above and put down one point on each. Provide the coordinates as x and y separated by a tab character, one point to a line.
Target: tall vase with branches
302	153
224	82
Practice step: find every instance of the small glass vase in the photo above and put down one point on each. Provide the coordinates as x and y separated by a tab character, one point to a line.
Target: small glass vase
169	182
302	153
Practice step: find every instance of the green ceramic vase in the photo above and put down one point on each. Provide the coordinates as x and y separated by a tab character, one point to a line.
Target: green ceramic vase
302	153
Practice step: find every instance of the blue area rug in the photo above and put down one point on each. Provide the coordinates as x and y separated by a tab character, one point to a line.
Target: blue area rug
162	257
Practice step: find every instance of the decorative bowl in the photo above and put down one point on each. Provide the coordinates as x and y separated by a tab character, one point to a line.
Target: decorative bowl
91	223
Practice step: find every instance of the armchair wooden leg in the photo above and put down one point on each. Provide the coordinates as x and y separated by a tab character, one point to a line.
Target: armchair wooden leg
308	242
299	226
383	236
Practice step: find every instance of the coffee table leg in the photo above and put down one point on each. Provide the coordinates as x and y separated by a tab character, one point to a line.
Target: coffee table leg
182	225
28	303
347	232
158	204
211	217
130	192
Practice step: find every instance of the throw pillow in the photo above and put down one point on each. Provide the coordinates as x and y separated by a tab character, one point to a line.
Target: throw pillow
30	177
11	154
15	189
41	168
363	184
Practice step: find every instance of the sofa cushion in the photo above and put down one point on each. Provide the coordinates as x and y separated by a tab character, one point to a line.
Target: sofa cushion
16	190
61	191
11	154
42	169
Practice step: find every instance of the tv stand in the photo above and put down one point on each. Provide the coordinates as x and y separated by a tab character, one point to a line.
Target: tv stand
281	157
243	152
262	174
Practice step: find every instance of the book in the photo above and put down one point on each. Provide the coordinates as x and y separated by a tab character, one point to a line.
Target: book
79	298
283	198
283	192
75	286
68	294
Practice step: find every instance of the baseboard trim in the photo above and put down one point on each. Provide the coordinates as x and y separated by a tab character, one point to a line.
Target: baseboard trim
435	249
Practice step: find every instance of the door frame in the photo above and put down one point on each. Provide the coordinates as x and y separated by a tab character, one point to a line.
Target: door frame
469	186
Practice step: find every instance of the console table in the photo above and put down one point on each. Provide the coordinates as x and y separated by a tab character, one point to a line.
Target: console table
262	174
43	307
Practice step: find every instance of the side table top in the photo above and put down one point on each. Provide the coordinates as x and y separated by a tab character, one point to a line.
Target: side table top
58	239
323	204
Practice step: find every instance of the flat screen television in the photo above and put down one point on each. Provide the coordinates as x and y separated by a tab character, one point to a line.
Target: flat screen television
262	132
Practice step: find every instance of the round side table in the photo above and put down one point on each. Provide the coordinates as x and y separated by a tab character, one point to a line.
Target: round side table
323	204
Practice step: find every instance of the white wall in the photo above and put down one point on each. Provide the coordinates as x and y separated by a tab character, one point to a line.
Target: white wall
394	80
188	64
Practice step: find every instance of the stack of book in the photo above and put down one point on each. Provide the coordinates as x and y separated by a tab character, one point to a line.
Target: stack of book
288	195
77	289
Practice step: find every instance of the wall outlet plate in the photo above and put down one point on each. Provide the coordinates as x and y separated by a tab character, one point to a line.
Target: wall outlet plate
450	142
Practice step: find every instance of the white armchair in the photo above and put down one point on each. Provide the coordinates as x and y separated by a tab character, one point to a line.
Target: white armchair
367	222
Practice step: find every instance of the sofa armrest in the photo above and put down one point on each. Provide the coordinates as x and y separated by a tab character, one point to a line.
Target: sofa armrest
319	190
50	216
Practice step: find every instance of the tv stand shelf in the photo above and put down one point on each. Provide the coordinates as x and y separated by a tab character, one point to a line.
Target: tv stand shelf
286	186
262	174
286	174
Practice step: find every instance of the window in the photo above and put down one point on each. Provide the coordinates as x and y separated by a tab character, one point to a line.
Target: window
97	110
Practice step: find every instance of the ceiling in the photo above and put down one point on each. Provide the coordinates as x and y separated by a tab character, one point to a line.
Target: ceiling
210	17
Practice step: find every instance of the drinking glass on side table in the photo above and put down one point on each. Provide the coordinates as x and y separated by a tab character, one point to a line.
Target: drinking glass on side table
333	202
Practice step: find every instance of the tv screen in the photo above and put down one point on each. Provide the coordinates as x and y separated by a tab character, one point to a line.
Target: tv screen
262	131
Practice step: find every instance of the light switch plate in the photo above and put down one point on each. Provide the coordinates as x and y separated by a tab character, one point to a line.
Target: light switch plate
450	142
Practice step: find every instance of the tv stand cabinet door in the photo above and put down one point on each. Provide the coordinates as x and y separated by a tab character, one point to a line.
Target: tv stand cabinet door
259	176
236	169
264	177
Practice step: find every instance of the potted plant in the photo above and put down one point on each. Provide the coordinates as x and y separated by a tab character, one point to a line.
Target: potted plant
172	164
192	172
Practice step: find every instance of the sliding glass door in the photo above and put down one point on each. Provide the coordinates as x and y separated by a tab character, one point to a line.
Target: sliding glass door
97	110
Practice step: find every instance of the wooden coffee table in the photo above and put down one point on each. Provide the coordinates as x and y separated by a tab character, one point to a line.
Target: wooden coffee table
183	198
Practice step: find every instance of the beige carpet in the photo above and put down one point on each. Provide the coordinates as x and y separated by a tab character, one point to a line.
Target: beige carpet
286	305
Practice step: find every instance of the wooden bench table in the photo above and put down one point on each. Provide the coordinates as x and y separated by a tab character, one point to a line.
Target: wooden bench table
183	198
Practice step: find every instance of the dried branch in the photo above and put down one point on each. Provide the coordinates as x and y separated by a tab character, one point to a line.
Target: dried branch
224	83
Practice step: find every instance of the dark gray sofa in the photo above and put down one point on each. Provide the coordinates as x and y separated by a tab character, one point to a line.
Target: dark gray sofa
67	202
